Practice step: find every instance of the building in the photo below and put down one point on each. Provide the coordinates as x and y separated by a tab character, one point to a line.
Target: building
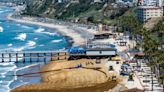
157	3
145	13
64	1
160	3
99	1
101	52
74	1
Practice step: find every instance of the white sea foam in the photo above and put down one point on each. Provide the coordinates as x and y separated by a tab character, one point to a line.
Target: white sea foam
6	64
4	88
42	30
21	36
1	29
56	41
18	49
31	43
26	67
49	33
35	38
9	45
28	45
39	30
26	27
4	70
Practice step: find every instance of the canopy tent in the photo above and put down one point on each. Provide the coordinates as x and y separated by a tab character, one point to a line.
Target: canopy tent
76	49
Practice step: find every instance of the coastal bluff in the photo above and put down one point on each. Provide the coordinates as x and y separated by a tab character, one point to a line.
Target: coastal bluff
72	76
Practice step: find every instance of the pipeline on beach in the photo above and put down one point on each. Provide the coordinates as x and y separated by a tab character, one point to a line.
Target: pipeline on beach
34	74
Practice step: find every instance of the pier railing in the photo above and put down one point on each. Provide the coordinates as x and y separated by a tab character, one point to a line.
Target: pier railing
32	56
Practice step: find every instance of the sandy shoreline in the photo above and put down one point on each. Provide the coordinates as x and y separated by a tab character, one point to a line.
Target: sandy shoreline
64	76
66	30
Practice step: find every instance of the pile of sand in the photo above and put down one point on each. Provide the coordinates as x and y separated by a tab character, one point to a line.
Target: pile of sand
72	76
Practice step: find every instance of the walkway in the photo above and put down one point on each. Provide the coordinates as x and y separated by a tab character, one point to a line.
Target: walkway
145	77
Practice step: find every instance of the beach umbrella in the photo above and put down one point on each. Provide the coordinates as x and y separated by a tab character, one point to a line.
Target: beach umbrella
72	50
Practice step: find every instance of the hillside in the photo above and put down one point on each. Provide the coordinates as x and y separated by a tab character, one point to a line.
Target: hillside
84	11
67	10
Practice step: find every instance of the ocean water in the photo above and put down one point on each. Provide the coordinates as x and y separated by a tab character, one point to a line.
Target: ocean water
24	37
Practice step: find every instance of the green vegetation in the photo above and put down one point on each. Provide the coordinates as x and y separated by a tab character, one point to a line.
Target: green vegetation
153	41
86	11
129	22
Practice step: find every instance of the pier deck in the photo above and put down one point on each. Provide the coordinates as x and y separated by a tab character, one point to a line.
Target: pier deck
31	56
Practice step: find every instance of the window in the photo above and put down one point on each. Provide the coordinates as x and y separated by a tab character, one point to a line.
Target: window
100	52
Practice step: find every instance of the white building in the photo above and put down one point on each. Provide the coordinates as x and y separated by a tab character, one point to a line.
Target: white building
98	1
158	3
147	12
150	2
101	52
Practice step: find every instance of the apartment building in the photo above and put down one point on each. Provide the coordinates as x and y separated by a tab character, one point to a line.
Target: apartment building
149	9
145	13
151	2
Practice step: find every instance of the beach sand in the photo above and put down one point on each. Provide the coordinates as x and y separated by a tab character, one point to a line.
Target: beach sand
64	29
62	76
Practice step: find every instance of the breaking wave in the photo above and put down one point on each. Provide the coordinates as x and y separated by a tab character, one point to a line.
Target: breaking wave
9	45
56	41
21	36
1	29
31	43
42	30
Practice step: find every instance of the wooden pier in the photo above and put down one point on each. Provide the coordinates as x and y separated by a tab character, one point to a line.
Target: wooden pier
32	56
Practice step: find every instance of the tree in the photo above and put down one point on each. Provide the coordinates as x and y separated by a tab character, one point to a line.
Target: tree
153	53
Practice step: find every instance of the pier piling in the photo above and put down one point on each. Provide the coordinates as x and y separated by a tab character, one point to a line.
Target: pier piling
16	57
9	57
2	57
30	58
24	59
